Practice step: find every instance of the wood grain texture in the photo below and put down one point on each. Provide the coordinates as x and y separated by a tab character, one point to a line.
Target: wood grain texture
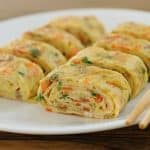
130	138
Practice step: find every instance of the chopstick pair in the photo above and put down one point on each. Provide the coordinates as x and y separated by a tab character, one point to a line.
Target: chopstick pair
140	108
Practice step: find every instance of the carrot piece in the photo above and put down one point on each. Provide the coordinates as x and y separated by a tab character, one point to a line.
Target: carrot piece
33	68
112	84
122	47
86	81
64	107
99	98
29	64
67	88
44	85
7	71
76	61
78	104
19	51
86	109
74	51
84	100
48	109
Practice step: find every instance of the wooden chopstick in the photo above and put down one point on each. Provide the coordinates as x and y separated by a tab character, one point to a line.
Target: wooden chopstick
146	120
139	108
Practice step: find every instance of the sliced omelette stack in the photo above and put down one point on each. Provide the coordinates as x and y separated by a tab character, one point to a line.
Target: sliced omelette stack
19	78
136	30
66	43
130	66
84	90
96	82
45	55
87	29
127	44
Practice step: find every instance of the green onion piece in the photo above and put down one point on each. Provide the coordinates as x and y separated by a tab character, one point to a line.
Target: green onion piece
21	73
86	60
39	97
93	93
34	52
59	85
63	96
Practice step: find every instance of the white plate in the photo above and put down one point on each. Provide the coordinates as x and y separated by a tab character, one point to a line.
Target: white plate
31	118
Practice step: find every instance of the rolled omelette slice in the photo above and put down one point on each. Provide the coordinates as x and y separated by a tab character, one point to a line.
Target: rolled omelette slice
87	28
45	55
130	66
136	30
63	41
84	90
19	77
127	44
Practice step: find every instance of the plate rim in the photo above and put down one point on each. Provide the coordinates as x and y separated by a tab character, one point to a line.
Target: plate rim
73	9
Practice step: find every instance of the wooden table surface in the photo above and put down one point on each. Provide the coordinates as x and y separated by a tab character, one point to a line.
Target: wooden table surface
130	138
